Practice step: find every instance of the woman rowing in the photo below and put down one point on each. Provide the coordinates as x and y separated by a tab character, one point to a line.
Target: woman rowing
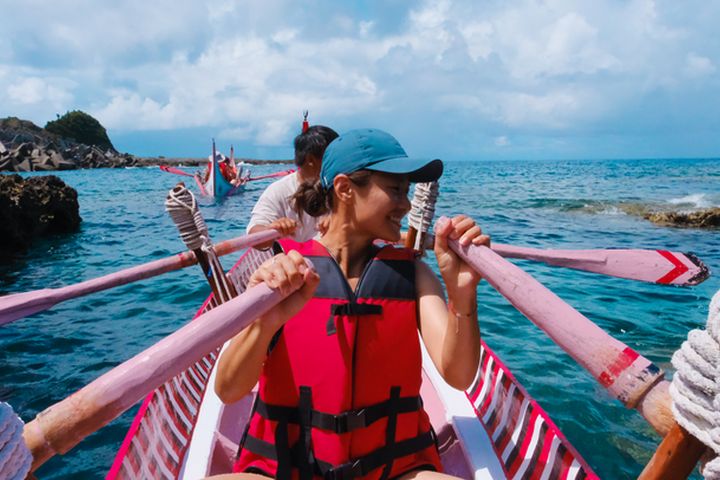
339	361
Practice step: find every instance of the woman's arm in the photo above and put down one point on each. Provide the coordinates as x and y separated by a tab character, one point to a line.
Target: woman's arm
240	365
451	335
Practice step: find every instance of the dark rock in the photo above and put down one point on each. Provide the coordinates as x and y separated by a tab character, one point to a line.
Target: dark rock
29	146
709	218
35	207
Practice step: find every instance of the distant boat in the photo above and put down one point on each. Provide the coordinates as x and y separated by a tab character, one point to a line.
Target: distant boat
216	184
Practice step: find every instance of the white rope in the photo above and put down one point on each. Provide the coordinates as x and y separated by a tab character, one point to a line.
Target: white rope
184	211
695	388
15	457
422	208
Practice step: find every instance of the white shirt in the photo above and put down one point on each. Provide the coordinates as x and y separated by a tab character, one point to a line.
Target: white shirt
276	202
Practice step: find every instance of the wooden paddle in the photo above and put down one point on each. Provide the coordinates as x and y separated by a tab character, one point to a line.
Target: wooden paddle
19	305
63	425
624	373
654	266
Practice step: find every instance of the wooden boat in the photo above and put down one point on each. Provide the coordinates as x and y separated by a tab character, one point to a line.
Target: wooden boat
216	185
493	430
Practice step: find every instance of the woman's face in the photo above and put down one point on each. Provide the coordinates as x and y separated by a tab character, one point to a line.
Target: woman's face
381	205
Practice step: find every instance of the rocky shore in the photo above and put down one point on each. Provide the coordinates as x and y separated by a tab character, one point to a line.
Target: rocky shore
709	218
25	147
34	207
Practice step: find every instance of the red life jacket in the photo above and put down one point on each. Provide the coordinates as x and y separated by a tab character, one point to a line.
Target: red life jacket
339	394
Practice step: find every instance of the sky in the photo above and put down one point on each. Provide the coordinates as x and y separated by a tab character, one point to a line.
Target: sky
454	79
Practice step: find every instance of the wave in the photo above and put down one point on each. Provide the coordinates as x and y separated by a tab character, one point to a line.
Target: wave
694	200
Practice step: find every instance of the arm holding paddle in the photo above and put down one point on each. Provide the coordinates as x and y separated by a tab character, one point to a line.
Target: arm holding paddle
451	332
286	227
240	365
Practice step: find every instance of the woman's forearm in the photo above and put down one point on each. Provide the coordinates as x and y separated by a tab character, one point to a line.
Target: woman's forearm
461	345
240	365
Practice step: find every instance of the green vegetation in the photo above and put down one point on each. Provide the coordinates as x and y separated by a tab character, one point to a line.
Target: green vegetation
82	128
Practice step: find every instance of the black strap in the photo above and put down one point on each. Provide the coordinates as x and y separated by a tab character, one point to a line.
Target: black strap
351	308
353	469
377	458
391	428
355	309
345	421
306	457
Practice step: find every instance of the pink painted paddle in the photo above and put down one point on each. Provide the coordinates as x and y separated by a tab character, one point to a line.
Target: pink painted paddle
656	266
272	175
63	425
627	375
19	305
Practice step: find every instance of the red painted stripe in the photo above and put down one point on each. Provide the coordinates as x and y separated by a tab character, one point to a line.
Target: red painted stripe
679	269
491	390
115	469
525	444
615	369
566	463
544	454
481	382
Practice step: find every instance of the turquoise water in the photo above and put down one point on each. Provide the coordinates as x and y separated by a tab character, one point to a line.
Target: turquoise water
568	204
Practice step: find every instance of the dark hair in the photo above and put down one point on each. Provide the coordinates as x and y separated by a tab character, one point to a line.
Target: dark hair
313	199
313	142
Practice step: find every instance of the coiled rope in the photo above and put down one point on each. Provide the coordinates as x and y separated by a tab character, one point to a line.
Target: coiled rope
695	388
184	211
15	456
422	209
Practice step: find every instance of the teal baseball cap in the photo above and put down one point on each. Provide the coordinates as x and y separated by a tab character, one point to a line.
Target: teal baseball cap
376	150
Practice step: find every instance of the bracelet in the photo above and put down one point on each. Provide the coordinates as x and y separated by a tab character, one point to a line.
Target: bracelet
458	315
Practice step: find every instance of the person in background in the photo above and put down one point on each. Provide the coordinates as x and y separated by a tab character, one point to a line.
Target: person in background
274	208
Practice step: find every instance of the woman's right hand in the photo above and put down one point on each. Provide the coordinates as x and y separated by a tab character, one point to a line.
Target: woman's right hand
287	273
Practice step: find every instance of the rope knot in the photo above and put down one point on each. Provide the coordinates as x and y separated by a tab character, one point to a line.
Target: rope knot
695	388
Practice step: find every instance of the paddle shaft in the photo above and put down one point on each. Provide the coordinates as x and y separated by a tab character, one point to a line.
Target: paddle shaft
676	456
63	425
627	375
19	305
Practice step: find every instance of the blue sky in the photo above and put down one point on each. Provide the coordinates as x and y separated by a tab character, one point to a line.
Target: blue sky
452	79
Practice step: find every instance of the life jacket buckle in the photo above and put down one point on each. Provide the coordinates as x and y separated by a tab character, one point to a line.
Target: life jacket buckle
347	471
355	419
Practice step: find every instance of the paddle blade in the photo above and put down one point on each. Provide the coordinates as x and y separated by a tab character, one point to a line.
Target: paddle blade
654	266
19	305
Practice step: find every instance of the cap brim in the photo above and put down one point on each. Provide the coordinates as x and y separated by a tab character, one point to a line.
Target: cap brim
418	170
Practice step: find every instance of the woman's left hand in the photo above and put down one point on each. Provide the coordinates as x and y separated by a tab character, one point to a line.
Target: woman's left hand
459	277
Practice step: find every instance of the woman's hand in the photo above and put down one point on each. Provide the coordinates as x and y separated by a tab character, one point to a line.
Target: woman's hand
287	273
459	277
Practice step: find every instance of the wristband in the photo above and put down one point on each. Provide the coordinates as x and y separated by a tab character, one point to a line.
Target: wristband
458	315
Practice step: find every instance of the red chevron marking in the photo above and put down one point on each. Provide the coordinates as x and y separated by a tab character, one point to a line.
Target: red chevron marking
679	269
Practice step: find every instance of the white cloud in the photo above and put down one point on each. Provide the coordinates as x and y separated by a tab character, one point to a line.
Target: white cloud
502	141
698	66
249	69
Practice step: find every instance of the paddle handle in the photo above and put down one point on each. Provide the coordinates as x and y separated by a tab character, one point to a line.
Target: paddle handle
627	375
676	456
65	424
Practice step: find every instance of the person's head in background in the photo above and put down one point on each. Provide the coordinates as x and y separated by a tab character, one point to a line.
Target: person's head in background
309	149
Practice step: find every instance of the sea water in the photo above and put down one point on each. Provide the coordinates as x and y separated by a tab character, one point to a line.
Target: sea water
543	204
